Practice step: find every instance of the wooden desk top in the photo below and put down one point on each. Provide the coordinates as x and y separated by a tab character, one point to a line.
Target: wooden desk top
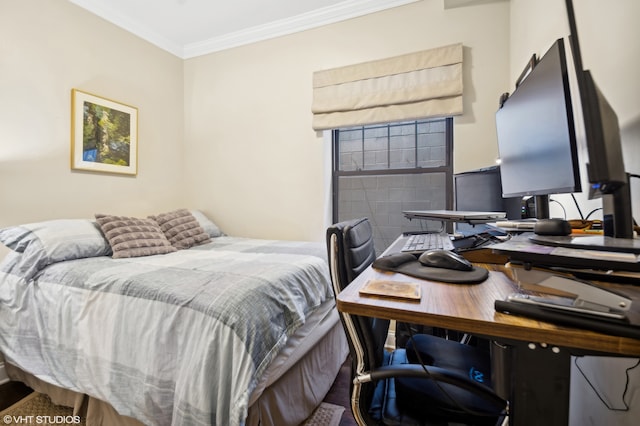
470	308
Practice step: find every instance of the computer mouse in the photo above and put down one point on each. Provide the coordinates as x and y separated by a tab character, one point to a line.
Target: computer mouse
445	259
552	227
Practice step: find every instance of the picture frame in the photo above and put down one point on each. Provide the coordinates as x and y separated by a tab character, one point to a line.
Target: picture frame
104	134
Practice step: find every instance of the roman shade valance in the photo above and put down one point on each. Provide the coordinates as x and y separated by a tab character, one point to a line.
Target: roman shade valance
416	85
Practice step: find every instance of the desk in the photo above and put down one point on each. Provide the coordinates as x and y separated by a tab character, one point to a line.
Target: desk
539	354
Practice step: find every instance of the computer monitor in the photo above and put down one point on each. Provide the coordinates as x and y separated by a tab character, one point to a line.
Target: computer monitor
481	190
536	134
605	167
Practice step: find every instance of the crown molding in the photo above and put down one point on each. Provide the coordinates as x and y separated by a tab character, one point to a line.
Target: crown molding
339	12
452	4
328	15
130	25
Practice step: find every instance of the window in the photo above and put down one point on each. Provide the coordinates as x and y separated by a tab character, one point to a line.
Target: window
381	170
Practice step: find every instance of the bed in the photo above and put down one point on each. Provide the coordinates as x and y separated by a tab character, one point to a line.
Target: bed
228	331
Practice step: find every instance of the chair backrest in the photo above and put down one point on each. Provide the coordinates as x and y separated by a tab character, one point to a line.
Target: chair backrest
350	251
355	244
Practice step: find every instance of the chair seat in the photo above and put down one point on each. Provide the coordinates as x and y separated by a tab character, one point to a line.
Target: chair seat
450	355
415	401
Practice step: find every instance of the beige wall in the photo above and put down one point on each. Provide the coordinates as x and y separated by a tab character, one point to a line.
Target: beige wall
198	116
48	47
254	102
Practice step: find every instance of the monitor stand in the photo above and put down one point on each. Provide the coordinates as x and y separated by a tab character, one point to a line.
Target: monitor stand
595	242
622	226
542	206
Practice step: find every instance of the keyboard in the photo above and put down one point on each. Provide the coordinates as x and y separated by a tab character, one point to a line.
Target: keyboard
424	242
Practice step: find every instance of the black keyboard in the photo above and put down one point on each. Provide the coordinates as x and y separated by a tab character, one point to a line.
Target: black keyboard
424	242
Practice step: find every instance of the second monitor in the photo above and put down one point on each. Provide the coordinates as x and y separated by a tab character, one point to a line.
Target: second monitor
482	190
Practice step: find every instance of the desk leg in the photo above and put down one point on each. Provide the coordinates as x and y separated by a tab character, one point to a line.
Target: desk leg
540	383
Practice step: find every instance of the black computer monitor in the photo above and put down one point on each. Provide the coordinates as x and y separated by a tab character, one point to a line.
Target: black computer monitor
605	165
481	190
536	134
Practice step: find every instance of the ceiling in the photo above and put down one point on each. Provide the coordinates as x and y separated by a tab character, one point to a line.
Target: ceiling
189	28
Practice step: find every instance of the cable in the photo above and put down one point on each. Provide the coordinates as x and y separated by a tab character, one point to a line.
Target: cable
577	206
592	212
626	387
562	207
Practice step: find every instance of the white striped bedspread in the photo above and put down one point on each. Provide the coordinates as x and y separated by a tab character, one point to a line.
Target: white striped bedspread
176	339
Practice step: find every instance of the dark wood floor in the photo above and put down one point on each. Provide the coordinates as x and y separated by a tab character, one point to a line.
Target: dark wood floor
12	392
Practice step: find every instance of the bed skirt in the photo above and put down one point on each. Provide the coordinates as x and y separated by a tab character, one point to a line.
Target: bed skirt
292	387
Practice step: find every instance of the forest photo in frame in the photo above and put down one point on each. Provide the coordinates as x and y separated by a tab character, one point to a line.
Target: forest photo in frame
104	134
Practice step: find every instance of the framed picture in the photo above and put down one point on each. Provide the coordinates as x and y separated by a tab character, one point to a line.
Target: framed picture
104	134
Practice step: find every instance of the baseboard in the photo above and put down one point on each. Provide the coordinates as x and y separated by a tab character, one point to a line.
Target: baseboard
3	374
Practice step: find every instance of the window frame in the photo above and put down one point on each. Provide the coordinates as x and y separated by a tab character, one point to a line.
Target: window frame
447	169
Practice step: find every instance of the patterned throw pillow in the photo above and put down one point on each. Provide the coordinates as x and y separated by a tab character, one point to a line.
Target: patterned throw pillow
181	229
133	237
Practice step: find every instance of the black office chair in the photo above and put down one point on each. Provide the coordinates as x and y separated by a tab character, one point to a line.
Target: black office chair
392	388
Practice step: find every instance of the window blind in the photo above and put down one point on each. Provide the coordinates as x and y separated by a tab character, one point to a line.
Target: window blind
417	85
